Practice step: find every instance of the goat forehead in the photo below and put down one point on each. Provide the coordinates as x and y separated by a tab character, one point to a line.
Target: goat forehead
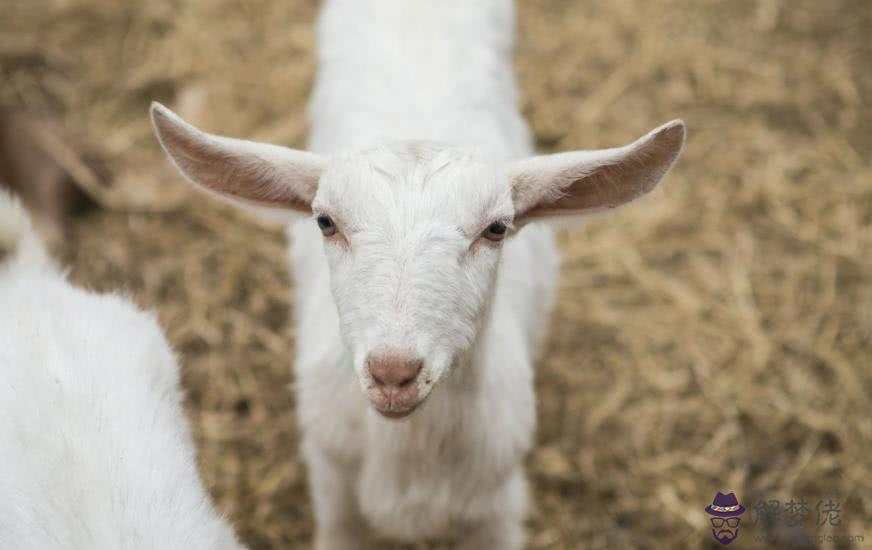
412	181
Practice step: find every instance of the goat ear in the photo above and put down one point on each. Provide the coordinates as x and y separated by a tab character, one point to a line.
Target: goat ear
273	181
584	182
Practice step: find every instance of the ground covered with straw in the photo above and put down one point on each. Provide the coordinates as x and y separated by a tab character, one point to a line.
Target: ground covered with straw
715	336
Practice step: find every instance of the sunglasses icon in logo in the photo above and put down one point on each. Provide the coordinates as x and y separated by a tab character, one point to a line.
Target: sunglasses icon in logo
717	523
726	511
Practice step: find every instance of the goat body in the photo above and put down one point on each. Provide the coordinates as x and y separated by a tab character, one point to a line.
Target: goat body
440	72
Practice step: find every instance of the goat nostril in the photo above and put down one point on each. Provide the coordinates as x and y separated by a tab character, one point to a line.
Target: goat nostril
376	380
407	381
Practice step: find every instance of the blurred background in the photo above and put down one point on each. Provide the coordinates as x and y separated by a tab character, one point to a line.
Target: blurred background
715	336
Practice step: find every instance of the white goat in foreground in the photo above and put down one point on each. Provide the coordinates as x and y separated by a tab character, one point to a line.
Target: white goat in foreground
95	449
412	270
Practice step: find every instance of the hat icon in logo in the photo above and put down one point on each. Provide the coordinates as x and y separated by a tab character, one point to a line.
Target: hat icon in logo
726	511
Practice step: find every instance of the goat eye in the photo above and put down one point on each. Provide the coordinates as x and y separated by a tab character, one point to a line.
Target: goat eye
326	225
495	231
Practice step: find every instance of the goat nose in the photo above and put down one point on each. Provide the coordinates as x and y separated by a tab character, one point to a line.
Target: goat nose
393	369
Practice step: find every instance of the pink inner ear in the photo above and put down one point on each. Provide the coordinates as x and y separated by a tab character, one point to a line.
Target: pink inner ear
229	171
587	188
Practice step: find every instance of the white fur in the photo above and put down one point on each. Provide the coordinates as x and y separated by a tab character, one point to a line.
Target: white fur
95	449
409	267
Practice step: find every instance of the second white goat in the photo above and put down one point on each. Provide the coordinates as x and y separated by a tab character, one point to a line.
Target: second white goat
95	449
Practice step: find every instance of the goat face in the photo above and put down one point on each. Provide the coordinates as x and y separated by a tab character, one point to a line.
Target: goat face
412	231
412	234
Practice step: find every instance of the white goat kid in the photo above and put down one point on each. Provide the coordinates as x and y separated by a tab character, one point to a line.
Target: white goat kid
414	267
95	450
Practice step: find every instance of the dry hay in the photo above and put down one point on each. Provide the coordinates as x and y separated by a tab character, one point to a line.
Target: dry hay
716	336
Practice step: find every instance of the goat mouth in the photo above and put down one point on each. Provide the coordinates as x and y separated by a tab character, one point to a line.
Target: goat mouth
396	415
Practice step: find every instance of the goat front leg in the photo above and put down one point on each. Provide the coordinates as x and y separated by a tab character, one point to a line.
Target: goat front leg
504	529
338	522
